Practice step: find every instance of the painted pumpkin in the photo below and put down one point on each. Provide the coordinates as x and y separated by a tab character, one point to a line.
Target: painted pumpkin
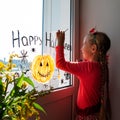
42	68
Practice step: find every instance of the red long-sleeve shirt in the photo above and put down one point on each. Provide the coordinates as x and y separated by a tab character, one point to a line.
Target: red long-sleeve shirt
89	74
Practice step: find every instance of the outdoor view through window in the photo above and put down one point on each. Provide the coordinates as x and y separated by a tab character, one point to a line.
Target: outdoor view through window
27	28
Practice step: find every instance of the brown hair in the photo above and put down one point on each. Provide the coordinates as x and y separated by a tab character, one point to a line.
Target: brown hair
103	43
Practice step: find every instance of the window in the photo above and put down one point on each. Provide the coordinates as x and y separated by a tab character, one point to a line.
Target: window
57	17
28	28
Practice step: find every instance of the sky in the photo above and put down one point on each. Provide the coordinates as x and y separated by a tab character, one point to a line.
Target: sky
20	22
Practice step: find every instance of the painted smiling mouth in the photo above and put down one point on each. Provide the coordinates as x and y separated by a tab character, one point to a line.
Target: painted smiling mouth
43	75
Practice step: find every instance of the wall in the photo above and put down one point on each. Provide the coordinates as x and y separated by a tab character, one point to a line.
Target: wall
104	14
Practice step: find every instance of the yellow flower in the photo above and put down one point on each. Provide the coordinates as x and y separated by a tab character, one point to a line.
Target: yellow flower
13	65
4	86
19	108
1	77
10	65
1	66
26	103
24	84
8	77
10	112
23	118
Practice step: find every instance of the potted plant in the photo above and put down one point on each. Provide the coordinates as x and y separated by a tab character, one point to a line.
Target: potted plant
16	101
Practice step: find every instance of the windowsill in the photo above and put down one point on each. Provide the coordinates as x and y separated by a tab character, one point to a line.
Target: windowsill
56	94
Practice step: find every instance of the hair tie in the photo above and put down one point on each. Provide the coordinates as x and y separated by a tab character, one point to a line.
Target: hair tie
92	31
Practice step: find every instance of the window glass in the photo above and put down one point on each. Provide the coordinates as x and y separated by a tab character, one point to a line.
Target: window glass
57	17
21	32
27	28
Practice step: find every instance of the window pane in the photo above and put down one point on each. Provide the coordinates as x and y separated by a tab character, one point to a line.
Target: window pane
57	17
21	32
20	26
25	29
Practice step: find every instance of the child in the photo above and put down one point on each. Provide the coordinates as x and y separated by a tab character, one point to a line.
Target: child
92	73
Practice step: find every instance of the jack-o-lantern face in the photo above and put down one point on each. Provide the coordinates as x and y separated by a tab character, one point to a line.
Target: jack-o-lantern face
42	68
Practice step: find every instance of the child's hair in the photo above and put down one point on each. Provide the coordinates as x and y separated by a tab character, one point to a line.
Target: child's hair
103	43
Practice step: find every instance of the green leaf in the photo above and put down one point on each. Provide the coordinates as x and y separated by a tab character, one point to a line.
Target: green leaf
29	81
20	80
26	79
37	106
0	81
1	87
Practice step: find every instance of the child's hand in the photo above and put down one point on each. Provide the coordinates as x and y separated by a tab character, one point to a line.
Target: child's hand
60	36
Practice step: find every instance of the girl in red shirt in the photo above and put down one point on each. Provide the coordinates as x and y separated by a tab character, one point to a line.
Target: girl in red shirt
92	73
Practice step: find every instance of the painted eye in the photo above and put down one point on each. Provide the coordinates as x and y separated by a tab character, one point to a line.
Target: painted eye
47	64
40	64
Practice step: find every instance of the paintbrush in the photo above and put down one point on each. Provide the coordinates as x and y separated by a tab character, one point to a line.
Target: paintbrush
66	30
